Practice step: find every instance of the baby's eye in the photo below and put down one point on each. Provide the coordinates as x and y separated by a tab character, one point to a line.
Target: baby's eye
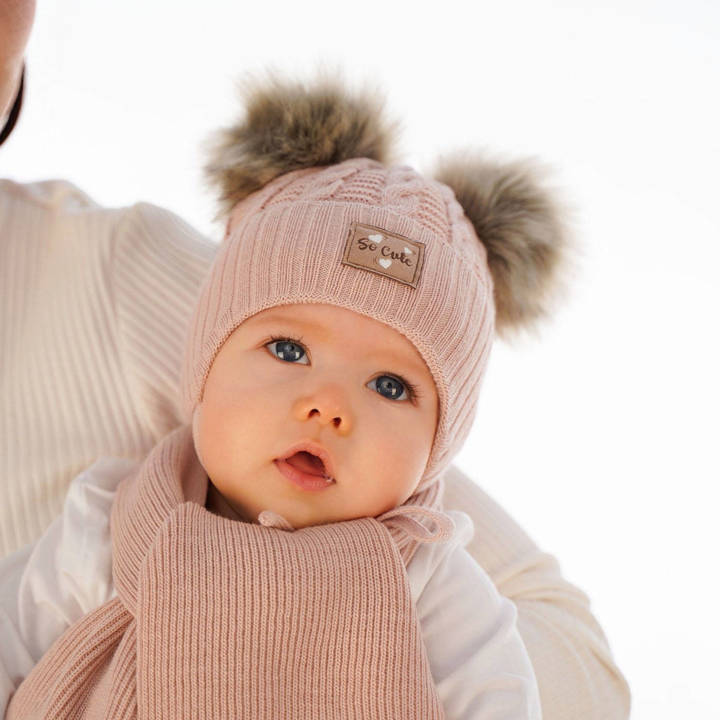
287	349
291	349
391	387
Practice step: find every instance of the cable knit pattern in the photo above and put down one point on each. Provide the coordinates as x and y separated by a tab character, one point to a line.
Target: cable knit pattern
216	618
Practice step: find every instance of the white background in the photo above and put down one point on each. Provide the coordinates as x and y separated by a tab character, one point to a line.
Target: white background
601	437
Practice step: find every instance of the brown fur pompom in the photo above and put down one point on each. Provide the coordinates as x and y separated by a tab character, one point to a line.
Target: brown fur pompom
525	230
289	125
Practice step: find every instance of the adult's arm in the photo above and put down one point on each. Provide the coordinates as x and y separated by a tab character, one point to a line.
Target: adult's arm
574	667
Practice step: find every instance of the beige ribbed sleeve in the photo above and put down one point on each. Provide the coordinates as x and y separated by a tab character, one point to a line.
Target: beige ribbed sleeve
576	673
92	302
93	307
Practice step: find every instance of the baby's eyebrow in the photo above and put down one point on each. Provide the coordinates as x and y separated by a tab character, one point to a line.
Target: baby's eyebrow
307	325
320	331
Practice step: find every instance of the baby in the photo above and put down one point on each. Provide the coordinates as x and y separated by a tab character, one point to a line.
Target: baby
331	373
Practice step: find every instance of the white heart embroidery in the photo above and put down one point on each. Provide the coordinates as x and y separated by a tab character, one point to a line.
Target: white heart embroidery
377	239
385	263
407	250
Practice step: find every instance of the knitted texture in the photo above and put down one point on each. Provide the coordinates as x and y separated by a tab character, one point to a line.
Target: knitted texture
289	244
216	618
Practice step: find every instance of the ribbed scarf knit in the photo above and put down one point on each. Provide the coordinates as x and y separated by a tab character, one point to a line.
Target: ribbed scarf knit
220	619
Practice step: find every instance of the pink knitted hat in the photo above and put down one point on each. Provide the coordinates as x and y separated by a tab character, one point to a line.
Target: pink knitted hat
319	215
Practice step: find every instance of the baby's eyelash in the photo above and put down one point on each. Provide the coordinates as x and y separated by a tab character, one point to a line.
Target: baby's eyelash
292	338
415	394
298	340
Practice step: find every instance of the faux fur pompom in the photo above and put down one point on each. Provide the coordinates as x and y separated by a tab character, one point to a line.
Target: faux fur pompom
289	125
525	229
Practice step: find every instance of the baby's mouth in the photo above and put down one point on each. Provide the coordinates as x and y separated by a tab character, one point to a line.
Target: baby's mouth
308	463
305	470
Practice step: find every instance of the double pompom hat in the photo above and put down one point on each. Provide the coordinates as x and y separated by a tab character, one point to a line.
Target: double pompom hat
318	209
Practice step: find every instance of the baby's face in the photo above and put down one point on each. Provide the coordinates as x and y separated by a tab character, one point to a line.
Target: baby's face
344	385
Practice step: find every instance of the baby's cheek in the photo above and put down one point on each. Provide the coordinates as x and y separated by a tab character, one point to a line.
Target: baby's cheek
392	465
407	452
413	461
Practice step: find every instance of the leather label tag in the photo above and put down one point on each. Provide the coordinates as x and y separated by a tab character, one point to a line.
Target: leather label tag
385	253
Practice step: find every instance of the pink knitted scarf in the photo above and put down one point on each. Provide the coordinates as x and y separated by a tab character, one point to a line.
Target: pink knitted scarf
221	619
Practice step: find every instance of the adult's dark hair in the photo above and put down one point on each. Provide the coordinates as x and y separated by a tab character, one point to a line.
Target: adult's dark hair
15	110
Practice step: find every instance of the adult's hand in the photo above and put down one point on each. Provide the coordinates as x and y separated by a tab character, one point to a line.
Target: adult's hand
16	20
